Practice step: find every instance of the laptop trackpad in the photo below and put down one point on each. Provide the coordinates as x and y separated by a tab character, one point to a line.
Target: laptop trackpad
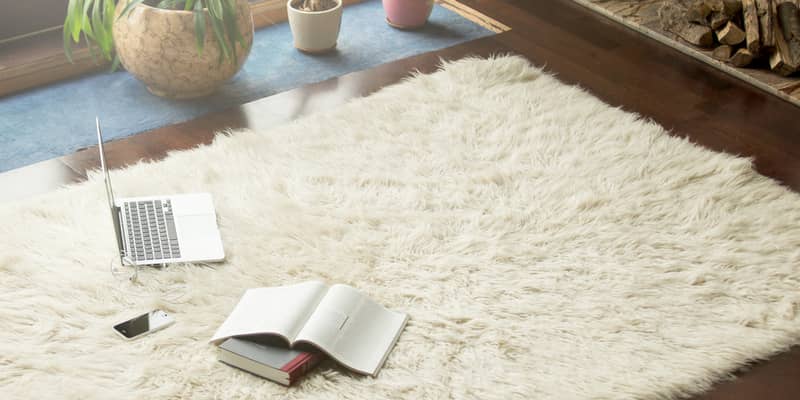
198	235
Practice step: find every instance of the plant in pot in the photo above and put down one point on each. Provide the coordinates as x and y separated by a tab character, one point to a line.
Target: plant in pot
407	14
315	24
177	48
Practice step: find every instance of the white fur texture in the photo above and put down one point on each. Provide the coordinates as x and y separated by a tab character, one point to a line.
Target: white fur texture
545	245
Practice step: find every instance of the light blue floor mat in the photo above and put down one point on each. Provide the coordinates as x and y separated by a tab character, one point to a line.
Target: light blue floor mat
59	119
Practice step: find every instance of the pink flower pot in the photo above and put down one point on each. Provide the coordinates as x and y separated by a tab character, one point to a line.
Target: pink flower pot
407	14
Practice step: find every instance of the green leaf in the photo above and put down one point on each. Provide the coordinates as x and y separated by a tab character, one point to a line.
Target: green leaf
87	6
108	17
67	43
129	7
92	20
200	26
170	4
190	4
97	26
215	9
102	35
231	22
69	20
108	27
91	47
87	28
86	24
67	30
219	32
115	63
231	30
77	18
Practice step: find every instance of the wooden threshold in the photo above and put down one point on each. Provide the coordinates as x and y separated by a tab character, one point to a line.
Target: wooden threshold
474	16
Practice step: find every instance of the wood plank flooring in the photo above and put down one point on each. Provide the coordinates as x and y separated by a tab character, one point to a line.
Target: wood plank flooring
620	66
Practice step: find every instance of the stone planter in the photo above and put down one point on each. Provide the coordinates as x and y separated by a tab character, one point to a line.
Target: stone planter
407	14
159	48
315	31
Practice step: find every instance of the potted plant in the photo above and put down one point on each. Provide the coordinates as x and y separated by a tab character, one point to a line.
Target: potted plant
177	48
407	14
315	24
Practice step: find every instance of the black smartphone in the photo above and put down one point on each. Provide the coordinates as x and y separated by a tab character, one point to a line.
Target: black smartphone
143	324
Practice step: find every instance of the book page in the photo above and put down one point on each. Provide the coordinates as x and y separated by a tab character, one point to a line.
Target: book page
280	310
353	329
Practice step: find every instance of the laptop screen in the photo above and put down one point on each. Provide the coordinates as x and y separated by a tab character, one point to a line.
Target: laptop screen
107	178
109	191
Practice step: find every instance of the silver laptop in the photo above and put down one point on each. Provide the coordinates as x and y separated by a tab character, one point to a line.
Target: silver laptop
156	230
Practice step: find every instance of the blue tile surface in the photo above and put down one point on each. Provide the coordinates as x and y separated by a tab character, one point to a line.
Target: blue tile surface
59	119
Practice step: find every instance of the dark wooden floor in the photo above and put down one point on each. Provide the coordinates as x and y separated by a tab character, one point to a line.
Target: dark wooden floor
618	65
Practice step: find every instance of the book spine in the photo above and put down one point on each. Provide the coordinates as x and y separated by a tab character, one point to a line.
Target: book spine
295	362
301	365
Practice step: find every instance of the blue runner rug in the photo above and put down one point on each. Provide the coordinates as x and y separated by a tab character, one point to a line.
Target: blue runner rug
59	119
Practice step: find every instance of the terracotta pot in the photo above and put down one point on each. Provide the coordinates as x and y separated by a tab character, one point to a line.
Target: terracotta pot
314	31
159	48
407	14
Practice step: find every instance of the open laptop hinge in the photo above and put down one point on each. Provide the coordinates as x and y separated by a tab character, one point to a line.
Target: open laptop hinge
118	231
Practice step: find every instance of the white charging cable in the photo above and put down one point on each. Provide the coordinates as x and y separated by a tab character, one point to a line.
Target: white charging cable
142	283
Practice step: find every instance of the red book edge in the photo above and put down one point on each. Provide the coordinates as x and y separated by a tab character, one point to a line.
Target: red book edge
300	365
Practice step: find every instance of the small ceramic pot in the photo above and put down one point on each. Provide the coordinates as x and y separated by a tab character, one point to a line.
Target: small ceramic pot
158	47
407	14
314	31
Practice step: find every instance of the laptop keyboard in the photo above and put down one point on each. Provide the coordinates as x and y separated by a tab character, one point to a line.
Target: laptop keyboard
150	226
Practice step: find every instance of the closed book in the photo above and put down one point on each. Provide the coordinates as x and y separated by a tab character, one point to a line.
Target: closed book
279	364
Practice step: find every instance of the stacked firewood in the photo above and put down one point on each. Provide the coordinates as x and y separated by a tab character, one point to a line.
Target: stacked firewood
741	31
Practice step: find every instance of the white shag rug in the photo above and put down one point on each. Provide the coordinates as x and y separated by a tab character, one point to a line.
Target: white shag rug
544	244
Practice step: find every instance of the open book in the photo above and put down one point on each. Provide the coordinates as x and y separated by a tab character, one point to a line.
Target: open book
345	324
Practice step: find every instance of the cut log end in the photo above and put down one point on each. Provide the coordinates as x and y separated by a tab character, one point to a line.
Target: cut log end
741	31
742	58
722	53
697	35
731	34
